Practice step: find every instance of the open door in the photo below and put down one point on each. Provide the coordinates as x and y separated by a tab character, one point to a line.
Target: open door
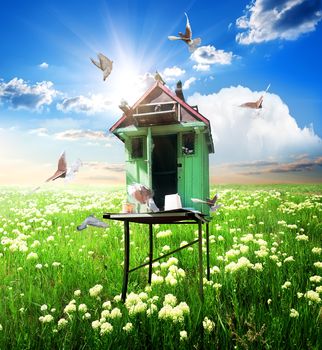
164	167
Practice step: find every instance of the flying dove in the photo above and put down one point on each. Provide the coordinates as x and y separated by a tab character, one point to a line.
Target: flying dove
73	170
104	64
187	37
208	201
257	104
92	221
143	195
62	169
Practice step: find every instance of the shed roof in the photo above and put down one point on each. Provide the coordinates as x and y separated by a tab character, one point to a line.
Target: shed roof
154	94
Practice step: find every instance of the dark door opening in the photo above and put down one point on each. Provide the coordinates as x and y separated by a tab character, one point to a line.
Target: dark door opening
164	167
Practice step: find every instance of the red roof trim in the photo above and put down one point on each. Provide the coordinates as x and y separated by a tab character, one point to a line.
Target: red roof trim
170	94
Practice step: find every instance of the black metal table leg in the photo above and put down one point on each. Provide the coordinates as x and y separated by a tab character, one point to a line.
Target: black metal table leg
126	258
200	260
150	252
207	247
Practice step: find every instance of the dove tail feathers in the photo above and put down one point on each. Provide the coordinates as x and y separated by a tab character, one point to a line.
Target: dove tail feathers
152	206
172	37
194	44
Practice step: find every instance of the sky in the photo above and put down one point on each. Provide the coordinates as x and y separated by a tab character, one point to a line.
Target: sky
53	99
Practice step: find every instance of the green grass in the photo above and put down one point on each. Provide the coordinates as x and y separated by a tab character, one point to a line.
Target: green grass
261	237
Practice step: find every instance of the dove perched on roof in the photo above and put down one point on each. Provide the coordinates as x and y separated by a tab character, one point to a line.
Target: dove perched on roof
92	221
187	37
104	64
143	195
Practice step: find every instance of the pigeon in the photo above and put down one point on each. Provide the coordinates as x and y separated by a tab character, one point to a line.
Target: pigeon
158	77
257	104
187	37
208	201
143	195
62	169
92	221
73	170
124	106
104	64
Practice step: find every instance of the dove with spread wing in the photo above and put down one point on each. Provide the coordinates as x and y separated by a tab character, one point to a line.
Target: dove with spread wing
187	37
104	64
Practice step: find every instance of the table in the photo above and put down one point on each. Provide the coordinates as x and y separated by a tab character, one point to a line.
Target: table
178	216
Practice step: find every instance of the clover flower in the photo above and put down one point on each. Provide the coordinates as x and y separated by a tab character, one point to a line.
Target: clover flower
128	327
316	250
170	299
316	279
318	264
82	308
286	285
208	325
77	293
32	256
43	307
302	238
96	324
183	335
96	290
312	296
107	305
62	323
106	328
294	313
46	319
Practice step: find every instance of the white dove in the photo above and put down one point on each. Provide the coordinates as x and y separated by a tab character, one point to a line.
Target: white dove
187	37
208	201
104	64
74	168
143	195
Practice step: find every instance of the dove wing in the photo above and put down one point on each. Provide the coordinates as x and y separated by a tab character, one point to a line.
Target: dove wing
188	33
96	63
197	200
95	222
62	165
105	63
172	37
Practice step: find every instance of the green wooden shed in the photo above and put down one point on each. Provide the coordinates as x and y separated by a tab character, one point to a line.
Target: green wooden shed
167	146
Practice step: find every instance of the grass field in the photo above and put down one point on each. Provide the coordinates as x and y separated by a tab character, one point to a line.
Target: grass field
60	288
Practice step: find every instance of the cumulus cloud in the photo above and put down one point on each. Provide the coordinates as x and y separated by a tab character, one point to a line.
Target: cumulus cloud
77	134
81	104
19	95
201	67
186	85
206	55
267	20
242	134
43	65
172	73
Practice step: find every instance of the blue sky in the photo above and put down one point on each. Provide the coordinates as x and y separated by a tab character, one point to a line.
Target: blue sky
52	98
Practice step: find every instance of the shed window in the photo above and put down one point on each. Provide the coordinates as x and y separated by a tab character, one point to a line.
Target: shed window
188	143
137	147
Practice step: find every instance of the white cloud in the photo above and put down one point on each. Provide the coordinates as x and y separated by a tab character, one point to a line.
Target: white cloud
18	94
39	132
242	134
172	73
201	67
81	104
267	20
206	55
43	65
77	134
186	85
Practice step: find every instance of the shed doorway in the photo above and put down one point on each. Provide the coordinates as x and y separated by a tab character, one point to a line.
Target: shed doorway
164	167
